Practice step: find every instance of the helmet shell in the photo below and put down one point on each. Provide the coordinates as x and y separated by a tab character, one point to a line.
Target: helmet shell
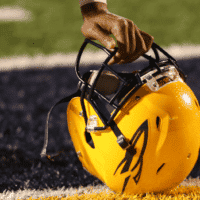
163	128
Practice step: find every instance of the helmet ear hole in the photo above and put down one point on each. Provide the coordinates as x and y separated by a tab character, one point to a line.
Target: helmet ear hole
158	120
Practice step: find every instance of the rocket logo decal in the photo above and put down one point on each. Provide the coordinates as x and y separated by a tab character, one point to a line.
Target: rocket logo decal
142	131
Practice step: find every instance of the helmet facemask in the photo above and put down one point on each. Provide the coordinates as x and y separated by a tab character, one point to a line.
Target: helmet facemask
107	90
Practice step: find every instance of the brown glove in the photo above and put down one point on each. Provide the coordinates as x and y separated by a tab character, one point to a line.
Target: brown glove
99	23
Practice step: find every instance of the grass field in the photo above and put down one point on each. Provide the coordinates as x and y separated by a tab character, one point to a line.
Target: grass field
188	189
54	26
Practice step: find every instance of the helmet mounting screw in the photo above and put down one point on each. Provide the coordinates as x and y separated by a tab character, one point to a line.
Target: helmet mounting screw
81	114
189	155
137	98
79	154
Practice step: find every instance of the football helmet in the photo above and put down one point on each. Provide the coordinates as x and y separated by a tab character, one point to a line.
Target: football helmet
137	132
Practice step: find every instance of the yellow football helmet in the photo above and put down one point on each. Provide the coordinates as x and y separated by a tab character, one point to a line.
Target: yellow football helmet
137	132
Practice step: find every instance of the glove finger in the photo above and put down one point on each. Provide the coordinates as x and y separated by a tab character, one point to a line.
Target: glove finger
97	33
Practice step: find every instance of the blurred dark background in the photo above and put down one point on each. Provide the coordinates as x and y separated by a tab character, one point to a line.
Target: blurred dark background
26	96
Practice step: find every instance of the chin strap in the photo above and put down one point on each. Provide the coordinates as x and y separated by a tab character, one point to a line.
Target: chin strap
43	153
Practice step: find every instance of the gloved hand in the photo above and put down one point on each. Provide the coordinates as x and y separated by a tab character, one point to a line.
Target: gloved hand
99	24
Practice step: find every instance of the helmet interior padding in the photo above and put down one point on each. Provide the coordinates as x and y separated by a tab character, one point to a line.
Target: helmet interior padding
107	83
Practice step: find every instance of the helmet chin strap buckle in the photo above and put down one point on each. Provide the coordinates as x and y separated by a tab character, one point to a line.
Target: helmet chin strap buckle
123	143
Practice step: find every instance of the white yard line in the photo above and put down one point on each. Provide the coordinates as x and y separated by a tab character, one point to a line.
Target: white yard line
62	60
14	13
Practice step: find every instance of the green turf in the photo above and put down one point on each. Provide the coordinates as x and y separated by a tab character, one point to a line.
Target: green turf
56	24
